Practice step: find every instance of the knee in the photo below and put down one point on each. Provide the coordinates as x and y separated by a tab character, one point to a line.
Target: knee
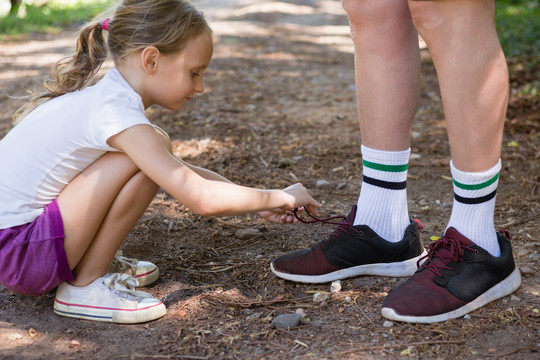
426	15
377	16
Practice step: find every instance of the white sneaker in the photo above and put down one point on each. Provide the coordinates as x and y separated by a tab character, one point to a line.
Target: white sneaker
145	272
110	298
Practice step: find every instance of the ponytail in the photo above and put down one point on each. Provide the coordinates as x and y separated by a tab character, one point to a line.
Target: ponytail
74	72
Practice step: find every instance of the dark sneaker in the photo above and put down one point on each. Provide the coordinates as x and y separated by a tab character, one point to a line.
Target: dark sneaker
351	251
458	277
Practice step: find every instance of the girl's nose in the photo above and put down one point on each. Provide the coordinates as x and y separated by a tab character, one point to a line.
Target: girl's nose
199	85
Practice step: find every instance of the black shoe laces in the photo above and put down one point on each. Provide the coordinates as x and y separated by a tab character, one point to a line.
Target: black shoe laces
442	252
342	226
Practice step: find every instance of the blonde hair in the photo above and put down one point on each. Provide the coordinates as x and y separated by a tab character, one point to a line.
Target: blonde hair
166	24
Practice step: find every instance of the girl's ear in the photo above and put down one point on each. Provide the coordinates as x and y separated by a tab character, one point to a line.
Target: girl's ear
149	58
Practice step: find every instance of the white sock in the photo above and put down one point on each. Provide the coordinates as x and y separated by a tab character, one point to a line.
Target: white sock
382	204
474	206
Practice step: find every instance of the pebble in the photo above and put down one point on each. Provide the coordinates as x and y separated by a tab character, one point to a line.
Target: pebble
247	233
514	298
285	321
321	183
341	186
526	270
335	287
300	312
468	317
388	324
254	316
321	296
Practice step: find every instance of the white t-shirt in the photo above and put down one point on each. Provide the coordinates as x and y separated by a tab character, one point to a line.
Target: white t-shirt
58	140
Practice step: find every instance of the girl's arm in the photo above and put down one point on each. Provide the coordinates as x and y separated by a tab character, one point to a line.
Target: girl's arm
189	186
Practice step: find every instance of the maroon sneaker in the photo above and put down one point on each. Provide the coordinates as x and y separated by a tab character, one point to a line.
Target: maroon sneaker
352	251
458	277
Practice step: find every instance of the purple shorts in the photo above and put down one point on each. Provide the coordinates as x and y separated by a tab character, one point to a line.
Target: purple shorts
32	256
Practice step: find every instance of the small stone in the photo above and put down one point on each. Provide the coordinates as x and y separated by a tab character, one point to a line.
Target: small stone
254	316
388	324
74	344
341	186
321	296
335	287
247	233
514	298
321	183
300	312
526	270
285	321
285	162
468	317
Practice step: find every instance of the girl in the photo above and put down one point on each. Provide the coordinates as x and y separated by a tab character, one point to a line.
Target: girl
80	169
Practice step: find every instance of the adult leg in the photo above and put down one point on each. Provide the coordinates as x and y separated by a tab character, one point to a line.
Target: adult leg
387	76
464	272
472	73
387	71
377	237
473	78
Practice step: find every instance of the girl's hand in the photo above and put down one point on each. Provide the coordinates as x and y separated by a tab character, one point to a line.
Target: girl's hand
278	216
301	198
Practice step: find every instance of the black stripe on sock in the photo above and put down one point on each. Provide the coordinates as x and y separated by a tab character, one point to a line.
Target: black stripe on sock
385	184
478	200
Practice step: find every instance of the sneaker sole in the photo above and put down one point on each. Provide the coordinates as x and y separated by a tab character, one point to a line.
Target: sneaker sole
505	287
148	278
395	269
122	316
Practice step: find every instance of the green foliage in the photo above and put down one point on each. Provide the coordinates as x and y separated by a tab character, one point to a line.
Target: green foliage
53	16
518	25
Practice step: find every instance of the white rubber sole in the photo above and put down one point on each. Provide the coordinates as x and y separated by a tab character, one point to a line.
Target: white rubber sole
150	312
505	287
148	278
395	269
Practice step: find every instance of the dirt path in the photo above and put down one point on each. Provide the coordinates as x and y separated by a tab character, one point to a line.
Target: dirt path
279	108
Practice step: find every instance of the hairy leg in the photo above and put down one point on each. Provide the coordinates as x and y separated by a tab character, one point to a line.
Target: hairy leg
387	69
472	73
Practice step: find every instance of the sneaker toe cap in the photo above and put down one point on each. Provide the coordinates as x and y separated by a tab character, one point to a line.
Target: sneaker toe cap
421	298
304	262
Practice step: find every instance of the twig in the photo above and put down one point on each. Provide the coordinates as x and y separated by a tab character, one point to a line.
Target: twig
530	348
384	347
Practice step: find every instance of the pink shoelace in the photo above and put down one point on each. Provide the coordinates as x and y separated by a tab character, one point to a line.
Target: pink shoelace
342	225
443	251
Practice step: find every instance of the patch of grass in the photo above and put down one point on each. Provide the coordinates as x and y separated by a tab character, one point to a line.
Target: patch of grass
52	16
518	25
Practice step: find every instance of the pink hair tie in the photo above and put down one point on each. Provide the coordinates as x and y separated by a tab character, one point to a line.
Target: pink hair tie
105	24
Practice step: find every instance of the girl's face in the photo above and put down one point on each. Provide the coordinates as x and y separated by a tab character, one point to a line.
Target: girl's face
179	76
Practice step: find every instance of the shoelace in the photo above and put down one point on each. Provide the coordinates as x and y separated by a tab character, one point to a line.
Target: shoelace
124	285
121	262
342	226
440	258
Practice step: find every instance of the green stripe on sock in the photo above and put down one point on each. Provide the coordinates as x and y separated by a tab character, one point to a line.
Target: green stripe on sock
388	168
476	186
